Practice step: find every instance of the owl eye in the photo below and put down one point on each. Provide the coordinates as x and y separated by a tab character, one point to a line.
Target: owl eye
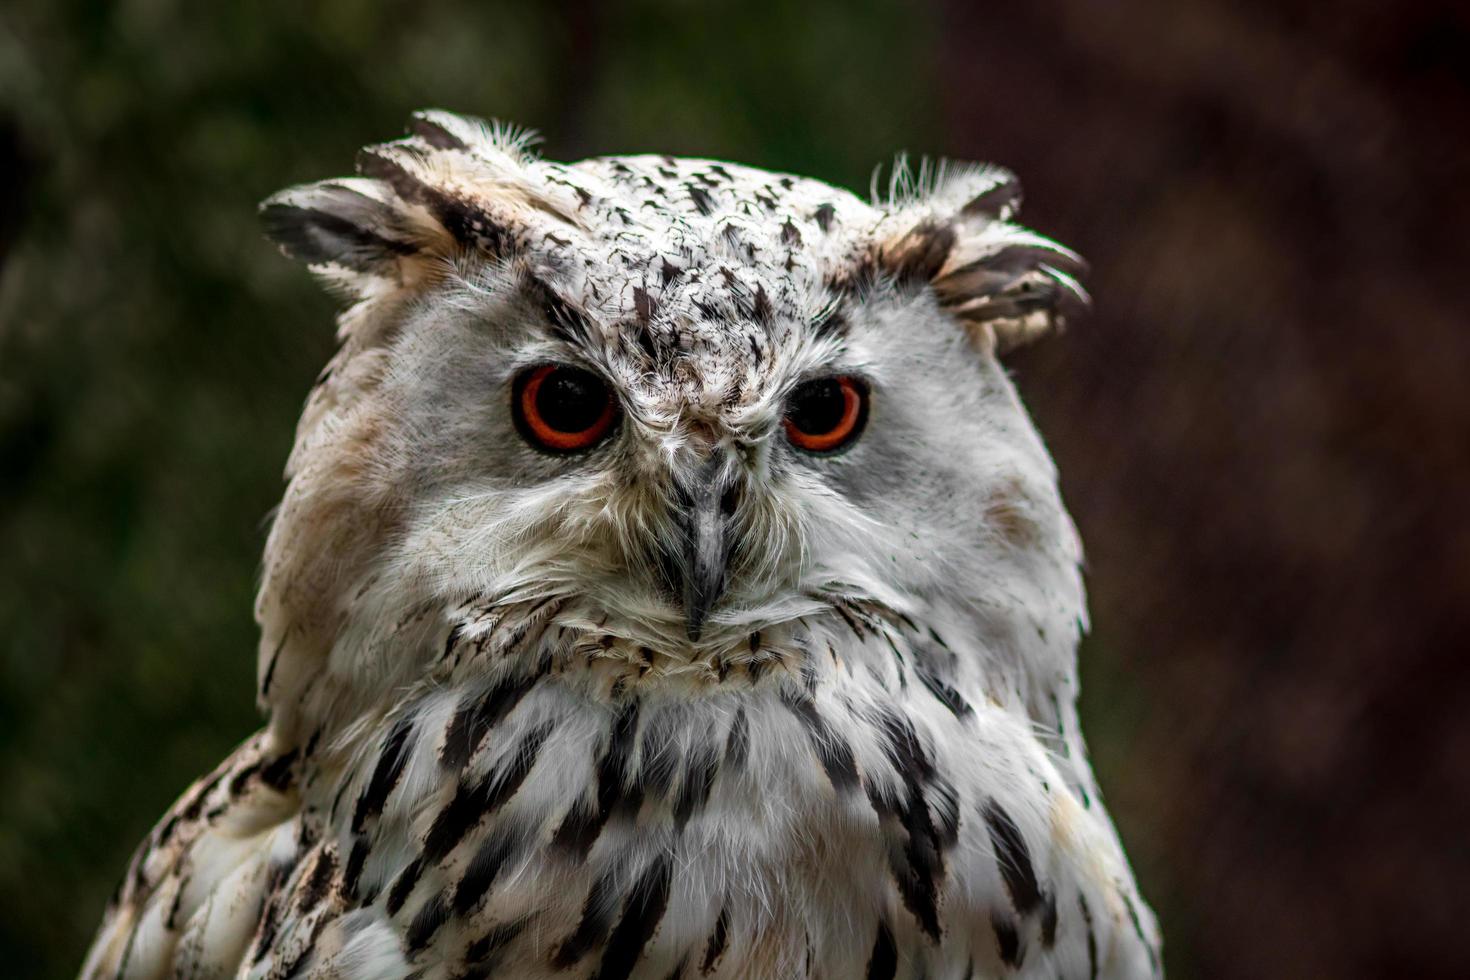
824	415
563	409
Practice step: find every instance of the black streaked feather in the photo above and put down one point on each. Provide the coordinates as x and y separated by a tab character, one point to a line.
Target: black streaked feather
1086	911
476	716
580	828
694	788
641	915
430	916
403	885
883	961
832	750
737	742
917	859
595	922
946	695
1007	939
472	802
386	773
483	869
1013	857
718	940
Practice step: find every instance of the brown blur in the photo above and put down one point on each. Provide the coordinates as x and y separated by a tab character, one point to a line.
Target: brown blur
1264	434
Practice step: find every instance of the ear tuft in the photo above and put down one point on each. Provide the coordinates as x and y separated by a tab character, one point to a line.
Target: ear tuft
442	130
455	186
950	227
444	182
448	131
346	223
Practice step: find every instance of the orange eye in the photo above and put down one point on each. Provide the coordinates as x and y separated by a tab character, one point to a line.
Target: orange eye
563	409
824	415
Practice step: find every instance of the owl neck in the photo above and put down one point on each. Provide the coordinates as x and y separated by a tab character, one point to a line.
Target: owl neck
953	656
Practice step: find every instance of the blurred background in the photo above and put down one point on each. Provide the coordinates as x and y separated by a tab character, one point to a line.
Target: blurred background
1263	431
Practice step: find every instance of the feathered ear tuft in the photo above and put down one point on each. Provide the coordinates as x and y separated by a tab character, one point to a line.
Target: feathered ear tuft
350	223
454	186
950	227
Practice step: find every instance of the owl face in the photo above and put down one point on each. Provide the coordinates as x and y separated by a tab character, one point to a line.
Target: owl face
687	400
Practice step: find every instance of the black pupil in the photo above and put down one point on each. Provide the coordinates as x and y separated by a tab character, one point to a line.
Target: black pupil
570	400
818	407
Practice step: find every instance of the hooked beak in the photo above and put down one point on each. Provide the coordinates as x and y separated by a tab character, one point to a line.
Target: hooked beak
697	566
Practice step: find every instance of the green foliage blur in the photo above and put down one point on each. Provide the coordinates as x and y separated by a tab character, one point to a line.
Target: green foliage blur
155	350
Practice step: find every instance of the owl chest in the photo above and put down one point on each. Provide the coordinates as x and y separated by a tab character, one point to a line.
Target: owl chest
745	831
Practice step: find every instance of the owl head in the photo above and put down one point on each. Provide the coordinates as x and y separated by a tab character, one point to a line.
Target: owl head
675	404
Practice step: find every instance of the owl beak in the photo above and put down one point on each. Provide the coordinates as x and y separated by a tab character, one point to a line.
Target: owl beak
702	514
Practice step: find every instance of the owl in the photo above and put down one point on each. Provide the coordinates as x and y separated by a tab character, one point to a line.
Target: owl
669	583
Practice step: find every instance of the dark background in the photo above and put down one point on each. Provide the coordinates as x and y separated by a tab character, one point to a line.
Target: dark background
1263	431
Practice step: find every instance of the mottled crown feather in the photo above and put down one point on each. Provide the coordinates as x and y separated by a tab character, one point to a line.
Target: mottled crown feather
950	224
640	233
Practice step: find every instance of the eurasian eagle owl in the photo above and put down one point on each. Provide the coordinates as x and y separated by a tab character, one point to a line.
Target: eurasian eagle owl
669	583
